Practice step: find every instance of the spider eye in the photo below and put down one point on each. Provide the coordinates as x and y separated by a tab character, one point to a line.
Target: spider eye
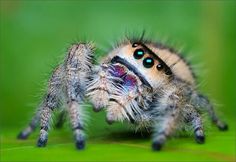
159	67
135	45
138	54
148	62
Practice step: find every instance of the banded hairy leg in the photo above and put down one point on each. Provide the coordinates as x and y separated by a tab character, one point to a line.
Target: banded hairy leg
68	81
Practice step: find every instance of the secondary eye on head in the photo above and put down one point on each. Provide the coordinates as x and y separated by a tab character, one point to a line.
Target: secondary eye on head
159	67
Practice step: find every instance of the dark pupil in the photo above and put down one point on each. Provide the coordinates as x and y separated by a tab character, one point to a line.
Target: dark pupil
138	54
159	66
148	62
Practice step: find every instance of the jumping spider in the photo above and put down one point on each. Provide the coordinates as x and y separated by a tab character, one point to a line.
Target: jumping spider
141	82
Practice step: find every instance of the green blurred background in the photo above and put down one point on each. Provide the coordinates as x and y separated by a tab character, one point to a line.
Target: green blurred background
34	36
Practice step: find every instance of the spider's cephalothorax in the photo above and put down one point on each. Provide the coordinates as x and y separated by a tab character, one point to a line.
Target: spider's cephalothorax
141	82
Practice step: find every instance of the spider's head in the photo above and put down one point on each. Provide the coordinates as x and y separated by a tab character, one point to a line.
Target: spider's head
148	67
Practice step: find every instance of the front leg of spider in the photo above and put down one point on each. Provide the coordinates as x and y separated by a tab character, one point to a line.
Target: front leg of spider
25	133
34	123
73	77
167	119
77	69
50	102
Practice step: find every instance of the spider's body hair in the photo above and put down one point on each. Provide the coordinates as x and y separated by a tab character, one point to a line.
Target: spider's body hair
99	86
122	105
140	82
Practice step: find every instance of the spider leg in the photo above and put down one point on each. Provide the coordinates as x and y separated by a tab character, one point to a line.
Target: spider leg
203	104
166	119
51	101
77	123
24	134
193	117
77	68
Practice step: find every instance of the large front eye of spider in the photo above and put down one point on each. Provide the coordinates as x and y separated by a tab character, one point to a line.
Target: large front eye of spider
138	53
148	62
